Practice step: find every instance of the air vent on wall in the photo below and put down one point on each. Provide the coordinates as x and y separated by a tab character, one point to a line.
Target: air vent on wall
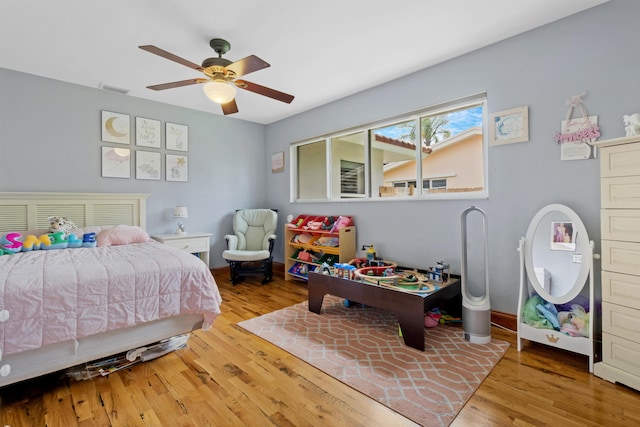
113	88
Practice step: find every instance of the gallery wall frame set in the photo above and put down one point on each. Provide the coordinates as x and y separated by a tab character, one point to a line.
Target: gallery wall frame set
116	160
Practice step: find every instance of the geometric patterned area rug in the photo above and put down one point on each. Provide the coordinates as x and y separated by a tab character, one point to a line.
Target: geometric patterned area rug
362	348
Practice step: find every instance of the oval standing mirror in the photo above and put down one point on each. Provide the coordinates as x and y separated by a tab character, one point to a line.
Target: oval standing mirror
557	254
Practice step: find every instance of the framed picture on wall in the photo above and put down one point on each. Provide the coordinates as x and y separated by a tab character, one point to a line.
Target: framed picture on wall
177	168
116	128
116	162
277	162
147	132
148	165
177	137
509	126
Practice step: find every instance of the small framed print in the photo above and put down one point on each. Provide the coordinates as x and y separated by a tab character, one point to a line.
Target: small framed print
116	128
177	168
148	165
177	137
277	162
116	162
509	126
147	132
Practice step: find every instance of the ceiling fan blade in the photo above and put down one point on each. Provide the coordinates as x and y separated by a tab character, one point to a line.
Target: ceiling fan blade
170	56
230	107
247	65
181	83
263	90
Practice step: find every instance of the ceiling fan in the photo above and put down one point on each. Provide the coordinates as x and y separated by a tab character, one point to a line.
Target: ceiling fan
221	82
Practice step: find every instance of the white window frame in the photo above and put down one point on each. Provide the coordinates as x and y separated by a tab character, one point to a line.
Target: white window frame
420	192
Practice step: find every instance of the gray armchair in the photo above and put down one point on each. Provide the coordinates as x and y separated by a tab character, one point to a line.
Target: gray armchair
250	247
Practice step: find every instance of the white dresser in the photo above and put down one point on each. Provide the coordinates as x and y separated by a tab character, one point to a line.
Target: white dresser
620	229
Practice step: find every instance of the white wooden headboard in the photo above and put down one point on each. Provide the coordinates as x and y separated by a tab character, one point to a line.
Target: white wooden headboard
29	211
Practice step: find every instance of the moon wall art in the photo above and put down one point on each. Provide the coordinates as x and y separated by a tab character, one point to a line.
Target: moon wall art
116	127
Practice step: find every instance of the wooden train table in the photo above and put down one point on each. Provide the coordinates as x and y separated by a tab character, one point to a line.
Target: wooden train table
409	307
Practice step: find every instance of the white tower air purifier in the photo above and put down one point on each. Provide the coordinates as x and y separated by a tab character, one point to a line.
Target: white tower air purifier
476	309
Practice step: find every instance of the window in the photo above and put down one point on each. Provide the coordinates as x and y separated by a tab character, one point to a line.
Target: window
441	147
351	179
311	170
348	165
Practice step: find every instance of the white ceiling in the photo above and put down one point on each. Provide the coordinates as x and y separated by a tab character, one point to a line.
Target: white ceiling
319	51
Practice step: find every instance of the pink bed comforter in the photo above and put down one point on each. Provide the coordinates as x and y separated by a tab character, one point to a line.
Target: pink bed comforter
63	294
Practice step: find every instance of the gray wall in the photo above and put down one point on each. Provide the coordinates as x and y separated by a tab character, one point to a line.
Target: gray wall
50	141
595	51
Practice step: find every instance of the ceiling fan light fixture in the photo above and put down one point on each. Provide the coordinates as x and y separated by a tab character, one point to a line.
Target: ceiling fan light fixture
219	92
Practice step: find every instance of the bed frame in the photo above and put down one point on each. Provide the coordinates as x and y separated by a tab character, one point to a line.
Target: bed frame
29	211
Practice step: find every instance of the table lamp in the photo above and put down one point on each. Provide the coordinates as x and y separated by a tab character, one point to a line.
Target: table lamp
180	212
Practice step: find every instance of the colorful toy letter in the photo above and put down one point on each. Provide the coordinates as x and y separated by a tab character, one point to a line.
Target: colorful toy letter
58	241
32	242
74	241
89	240
13	244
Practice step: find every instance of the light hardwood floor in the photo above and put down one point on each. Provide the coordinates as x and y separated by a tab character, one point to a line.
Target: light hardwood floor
229	377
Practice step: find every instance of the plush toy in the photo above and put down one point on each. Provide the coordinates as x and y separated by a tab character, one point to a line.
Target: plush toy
57	240
575	322
60	223
89	240
74	241
11	242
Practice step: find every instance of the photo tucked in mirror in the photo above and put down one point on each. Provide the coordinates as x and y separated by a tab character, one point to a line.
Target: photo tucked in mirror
562	236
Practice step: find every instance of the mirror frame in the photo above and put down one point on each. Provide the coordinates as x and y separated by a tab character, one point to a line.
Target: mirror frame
583	247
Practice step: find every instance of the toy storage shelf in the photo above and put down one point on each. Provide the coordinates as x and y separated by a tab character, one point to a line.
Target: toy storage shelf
302	257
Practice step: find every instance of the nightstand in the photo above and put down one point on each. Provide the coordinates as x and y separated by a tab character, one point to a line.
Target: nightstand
194	243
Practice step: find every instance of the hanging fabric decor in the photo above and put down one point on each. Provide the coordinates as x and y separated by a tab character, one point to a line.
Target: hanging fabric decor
577	134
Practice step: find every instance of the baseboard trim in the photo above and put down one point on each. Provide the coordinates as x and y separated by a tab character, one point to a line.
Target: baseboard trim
504	320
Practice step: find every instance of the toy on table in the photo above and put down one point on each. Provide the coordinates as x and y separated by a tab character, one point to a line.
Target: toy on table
439	273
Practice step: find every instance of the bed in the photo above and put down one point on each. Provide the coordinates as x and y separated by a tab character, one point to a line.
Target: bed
67	306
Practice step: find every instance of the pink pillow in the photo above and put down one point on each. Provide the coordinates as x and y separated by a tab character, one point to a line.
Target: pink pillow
122	235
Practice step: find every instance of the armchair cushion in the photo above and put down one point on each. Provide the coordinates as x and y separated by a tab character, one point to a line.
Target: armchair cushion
253	228
245	255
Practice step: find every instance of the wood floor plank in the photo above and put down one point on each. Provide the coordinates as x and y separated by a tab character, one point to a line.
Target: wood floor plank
228	376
